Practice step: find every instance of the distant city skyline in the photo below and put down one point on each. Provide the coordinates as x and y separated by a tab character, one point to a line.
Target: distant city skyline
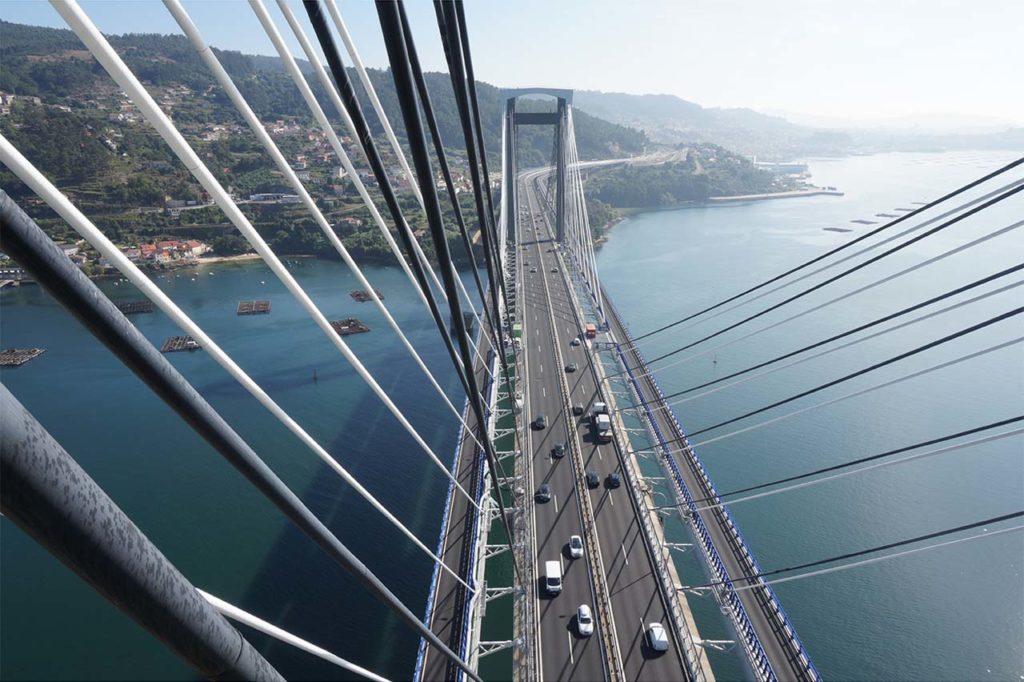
878	62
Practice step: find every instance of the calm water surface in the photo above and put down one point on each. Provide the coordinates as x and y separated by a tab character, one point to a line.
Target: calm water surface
953	613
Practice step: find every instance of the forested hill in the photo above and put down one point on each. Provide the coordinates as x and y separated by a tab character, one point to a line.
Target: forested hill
54	65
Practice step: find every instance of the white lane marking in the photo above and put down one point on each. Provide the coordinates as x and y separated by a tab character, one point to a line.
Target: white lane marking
544	390
611	499
555	498
568	635
623	548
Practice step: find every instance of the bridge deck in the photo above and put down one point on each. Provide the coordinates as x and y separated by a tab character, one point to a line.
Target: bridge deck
449	597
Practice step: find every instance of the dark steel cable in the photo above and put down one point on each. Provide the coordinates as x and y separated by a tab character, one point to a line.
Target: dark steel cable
844	273
917	211
862	552
862	460
836	337
878	365
401	71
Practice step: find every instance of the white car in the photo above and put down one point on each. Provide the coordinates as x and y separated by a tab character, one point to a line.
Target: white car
576	547
574	342
584	621
656	637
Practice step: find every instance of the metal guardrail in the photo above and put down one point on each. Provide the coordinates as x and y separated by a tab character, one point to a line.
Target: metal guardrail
768	598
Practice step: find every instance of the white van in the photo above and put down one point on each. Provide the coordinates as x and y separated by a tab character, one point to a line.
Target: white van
553	577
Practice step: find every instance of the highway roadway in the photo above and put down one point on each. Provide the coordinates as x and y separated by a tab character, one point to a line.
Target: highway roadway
628	570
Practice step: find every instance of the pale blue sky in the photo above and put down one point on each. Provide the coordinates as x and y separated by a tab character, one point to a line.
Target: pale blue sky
863	59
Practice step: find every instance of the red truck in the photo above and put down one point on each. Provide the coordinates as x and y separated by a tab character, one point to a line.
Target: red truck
590	331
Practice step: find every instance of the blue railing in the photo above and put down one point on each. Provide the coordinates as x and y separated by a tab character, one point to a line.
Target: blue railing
773	600
435	577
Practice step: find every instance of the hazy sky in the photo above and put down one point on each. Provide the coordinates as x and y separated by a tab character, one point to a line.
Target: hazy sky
862	59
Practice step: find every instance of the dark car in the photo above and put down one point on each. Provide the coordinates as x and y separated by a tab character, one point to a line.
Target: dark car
593	480
571	367
613	480
543	493
541	422
554	269
558	451
577	409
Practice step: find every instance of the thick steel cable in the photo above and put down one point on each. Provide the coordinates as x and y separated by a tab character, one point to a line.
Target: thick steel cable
844	273
870	467
842	297
371	94
79	295
333	95
355	113
867	235
391	26
222	77
838	399
123	76
850	332
850	256
454	56
56	200
427	108
442	158
870	550
870	368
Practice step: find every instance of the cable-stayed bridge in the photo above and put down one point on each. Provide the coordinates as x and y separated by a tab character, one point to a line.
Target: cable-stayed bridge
563	421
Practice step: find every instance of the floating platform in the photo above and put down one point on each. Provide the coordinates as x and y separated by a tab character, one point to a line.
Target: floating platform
136	307
837	229
253	307
176	343
861	221
362	296
349	326
887	215
904	210
16	357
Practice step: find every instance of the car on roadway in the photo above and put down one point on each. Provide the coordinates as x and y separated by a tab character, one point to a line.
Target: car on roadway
558	451
575	341
577	409
657	638
584	621
541	422
593	480
571	367
613	480
554	269
543	493
533	269
576	547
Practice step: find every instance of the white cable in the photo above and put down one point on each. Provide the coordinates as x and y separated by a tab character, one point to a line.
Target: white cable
246	618
877	465
842	346
371	93
222	77
914	228
106	55
870	285
275	36
56	200
874	560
